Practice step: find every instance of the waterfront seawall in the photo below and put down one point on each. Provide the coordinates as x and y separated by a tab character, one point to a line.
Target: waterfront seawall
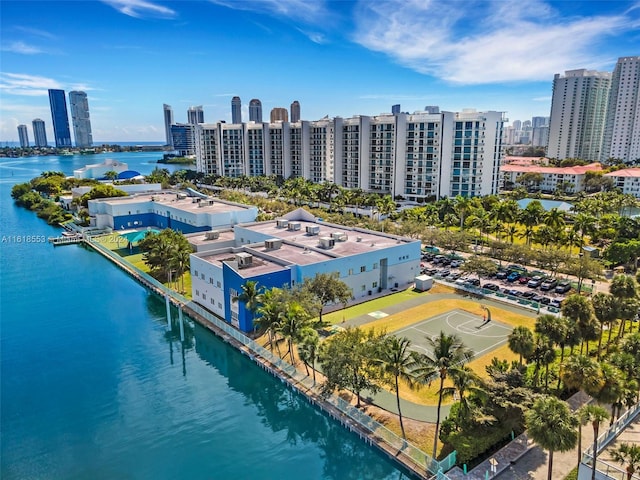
409	457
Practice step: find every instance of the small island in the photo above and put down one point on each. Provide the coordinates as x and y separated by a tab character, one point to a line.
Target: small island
171	159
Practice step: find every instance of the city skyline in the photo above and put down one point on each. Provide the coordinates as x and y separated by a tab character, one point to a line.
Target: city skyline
341	58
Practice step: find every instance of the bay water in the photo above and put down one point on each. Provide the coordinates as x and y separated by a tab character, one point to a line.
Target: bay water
94	386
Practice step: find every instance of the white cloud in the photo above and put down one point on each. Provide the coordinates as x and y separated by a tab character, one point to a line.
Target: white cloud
542	99
27	85
36	32
21	47
307	11
140	8
479	41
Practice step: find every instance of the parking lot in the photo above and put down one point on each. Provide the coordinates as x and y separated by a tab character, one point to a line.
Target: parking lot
529	288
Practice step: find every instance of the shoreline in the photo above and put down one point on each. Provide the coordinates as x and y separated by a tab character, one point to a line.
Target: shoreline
401	454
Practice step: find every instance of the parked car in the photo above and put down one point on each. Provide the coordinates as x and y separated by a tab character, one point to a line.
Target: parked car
513	276
455	275
563	287
491	286
514	293
524	280
456	263
431	271
556	302
537	298
535	282
445	273
472	281
431	249
501	275
517	268
528	294
545	300
549	284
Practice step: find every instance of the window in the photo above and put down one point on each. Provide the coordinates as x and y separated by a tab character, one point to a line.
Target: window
204	296
195	272
218	284
351	271
363	288
374	285
202	276
211	280
219	304
197	293
363	269
375	266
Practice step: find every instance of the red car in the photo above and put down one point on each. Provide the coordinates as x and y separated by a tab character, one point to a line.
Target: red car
524	280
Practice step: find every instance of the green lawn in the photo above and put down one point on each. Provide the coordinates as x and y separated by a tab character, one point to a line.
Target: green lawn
371	306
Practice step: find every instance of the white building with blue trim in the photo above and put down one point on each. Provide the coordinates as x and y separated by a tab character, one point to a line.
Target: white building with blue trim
168	209
286	251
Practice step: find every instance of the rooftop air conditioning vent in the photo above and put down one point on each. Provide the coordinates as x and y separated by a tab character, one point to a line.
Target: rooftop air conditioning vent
244	259
282	223
358	239
273	244
294	226
327	242
339	236
212	235
313	229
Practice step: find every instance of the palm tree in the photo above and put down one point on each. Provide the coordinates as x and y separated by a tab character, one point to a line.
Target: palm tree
465	380
551	425
293	322
271	312
521	342
624	288
397	361
595	415
582	373
605	308
579	309
447	353
629	455
251	296
308	349
612	387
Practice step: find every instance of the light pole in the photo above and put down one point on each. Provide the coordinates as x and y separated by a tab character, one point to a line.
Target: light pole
580	271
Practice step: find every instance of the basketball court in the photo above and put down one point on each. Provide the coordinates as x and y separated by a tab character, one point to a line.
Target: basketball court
480	334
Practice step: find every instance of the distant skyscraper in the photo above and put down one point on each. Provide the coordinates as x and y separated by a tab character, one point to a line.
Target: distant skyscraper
432	109
195	115
279	114
60	118
39	133
236	110
168	121
517	125
255	110
578	111
23	135
80	119
539	122
622	127
395	109
295	111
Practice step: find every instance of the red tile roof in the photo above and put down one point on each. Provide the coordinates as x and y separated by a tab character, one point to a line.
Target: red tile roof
577	170
626	172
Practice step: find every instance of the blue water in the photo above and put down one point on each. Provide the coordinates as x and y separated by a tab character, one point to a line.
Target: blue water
94	387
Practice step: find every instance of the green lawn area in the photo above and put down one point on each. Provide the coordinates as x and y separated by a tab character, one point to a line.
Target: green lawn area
117	244
336	317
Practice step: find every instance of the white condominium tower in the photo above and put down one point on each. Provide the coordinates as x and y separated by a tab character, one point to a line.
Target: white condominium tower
255	110
23	135
80	119
236	110
195	115
415	156
622	128
578	111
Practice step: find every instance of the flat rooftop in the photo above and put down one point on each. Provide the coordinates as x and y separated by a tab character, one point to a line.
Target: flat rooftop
175	200
357	241
259	266
201	237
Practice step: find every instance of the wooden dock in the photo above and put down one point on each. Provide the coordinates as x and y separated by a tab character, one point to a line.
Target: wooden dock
66	240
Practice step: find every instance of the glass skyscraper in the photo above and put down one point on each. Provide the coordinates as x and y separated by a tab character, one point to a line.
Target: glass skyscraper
60	118
236	110
255	110
24	136
80	119
168	121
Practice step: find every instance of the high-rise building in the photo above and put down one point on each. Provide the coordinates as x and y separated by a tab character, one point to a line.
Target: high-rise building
295	111
279	114
183	138
236	110
23	135
539	122
255	110
622	128
418	156
39	133
60	118
195	115
168	121
80	118
578	112
395	109
432	109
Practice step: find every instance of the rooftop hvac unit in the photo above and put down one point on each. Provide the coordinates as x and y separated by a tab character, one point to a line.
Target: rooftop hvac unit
282	223
313	229
327	242
339	236
244	259
212	235
358	239
294	226
273	243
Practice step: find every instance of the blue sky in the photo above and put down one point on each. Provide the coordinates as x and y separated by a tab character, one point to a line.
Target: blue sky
337	58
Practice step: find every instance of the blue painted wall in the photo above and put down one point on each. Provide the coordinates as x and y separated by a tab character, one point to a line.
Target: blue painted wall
232	280
154	220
